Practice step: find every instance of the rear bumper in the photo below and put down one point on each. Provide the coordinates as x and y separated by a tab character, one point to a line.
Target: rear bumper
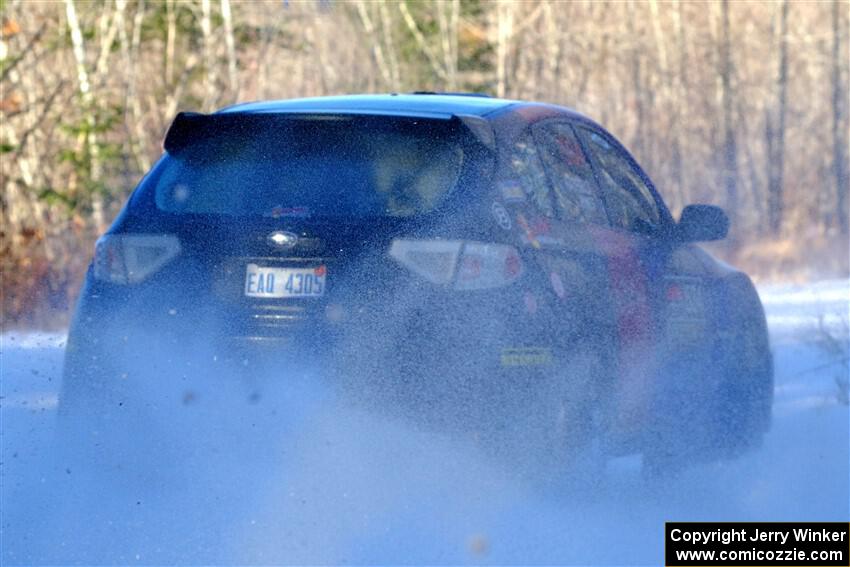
454	362
118	331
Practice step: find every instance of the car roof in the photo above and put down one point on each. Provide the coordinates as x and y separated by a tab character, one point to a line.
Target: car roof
412	105
425	105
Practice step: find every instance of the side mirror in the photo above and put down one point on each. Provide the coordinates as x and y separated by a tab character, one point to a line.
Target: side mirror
701	223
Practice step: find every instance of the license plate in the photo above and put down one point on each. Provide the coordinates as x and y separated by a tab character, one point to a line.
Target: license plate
263	281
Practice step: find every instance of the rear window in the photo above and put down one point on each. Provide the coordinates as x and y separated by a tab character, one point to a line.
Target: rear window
262	165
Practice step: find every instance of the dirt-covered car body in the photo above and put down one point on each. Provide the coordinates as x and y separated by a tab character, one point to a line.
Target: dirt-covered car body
458	251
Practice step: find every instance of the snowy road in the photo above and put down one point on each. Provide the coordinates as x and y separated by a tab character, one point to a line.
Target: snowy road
349	487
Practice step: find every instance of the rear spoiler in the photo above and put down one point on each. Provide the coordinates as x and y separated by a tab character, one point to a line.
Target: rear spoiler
480	128
185	127
188	126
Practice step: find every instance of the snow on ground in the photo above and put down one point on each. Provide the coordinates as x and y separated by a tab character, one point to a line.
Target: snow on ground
339	485
798	311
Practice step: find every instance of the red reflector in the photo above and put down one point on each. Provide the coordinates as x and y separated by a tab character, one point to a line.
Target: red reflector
512	265
675	293
530	302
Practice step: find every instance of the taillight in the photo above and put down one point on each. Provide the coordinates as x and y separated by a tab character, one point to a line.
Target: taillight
464	265
131	258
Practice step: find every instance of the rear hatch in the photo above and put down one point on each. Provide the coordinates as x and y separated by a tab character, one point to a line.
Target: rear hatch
287	219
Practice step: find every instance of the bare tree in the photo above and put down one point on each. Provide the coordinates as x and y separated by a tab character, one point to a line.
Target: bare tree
421	41
839	123
505	15
775	131
730	145
90	139
718	103
232	75
210	67
377	47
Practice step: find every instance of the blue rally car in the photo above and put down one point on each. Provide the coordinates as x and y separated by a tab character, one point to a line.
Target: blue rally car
492	264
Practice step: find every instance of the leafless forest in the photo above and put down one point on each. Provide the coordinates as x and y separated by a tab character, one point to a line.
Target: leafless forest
742	104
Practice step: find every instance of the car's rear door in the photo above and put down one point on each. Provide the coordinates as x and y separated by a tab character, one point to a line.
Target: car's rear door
575	267
549	196
634	254
667	331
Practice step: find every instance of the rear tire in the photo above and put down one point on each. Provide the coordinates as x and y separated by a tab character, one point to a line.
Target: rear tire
554	441
736	416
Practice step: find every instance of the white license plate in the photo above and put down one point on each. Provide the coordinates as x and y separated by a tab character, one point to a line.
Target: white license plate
263	281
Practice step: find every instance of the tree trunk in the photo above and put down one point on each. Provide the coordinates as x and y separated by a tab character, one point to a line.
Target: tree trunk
421	41
377	48
553	51
682	109
171	38
776	159
446	32
730	146
639	139
387	32
232	73
505	20
210	96
839	127
79	48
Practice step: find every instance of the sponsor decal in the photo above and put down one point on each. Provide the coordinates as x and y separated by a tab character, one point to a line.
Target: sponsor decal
537	231
557	285
549	241
686	262
512	192
281	211
513	265
675	293
530	302
526	356
541	226
685	311
528	234
501	215
570	151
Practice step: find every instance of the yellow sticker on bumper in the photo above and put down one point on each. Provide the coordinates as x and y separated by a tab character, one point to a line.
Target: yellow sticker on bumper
526	356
